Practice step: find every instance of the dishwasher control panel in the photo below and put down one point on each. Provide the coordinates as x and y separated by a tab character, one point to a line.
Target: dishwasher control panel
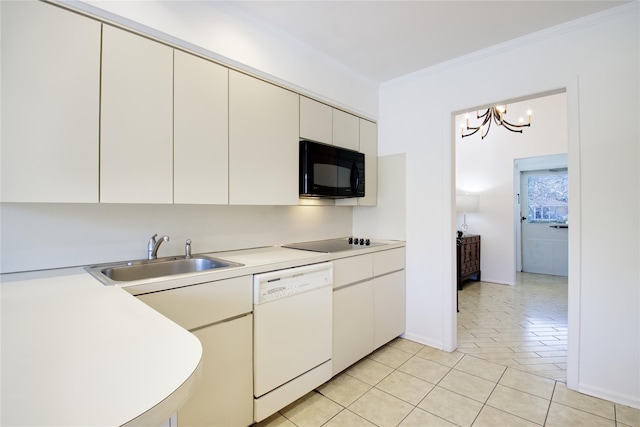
291	281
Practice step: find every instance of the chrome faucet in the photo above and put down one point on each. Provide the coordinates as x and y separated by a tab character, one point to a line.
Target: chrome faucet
153	246
187	249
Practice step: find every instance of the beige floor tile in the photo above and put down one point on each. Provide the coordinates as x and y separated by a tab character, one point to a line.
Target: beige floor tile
481	368
424	369
542	360
528	383
492	417
405	387
451	406
467	385
442	357
312	410
346	418
390	356
369	371
552	353
523	405
628	416
564	416
421	418
406	345
583	402
344	389
275	420
381	408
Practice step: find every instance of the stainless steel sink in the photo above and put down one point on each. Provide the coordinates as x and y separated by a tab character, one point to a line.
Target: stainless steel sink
112	274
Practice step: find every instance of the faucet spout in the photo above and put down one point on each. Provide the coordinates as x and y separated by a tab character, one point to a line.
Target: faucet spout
153	246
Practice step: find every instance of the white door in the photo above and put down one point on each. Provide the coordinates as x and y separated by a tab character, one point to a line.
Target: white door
544	221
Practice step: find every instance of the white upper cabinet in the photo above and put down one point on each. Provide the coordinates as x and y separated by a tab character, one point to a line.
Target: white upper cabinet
346	130
50	104
136	148
263	142
201	131
316	121
369	146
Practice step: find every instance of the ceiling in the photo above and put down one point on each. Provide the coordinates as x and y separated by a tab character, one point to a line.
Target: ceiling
382	40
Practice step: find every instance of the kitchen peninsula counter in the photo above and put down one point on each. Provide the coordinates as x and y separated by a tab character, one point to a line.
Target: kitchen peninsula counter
77	352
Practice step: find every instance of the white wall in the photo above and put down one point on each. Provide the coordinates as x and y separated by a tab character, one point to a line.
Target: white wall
596	60
206	28
485	167
38	236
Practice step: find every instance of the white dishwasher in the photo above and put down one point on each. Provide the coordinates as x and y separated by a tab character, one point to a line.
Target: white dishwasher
292	318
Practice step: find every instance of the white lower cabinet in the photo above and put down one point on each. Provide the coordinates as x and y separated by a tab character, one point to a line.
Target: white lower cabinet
219	314
353	324
369	304
389	307
224	395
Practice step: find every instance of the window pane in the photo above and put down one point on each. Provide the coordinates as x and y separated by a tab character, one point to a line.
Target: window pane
548	198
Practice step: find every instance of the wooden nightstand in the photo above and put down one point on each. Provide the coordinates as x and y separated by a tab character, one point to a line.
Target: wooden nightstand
468	258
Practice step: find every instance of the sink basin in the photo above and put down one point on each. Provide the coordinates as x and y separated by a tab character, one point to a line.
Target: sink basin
111	274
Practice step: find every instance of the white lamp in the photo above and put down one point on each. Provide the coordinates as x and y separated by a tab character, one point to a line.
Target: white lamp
467	203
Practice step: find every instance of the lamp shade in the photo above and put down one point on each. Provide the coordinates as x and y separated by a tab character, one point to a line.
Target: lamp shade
467	203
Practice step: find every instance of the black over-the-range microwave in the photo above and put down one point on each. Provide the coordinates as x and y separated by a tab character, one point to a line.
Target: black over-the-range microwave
330	172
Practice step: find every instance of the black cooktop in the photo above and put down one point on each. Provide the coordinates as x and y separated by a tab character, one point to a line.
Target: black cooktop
334	245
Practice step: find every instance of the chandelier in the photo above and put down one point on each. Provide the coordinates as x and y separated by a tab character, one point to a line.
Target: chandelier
493	114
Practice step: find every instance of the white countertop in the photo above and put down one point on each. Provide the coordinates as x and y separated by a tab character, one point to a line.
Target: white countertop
77	352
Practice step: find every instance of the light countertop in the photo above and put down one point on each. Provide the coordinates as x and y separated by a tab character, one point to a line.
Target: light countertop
77	352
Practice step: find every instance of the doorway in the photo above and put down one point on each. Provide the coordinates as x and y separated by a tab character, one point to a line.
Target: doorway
541	215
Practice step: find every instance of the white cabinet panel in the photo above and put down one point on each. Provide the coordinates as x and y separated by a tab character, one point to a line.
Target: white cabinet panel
50	104
369	146
346	130
224	395
388	261
263	142
316	121
201	131
136	148
352	269
353	325
203	304
389	302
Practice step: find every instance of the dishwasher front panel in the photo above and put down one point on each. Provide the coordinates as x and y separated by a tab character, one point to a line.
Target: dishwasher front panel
291	336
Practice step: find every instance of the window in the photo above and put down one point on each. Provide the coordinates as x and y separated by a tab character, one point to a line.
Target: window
548	198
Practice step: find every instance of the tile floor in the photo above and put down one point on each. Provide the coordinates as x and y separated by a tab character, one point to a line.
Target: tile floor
509	370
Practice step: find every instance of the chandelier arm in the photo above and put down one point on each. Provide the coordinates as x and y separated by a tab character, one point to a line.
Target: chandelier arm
475	130
479	116
486	132
516	126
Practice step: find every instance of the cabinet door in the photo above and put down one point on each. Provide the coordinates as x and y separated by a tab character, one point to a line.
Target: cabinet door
316	121
346	130
201	131
389	302
224	395
50	90
136	148
369	146
263	142
353	325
